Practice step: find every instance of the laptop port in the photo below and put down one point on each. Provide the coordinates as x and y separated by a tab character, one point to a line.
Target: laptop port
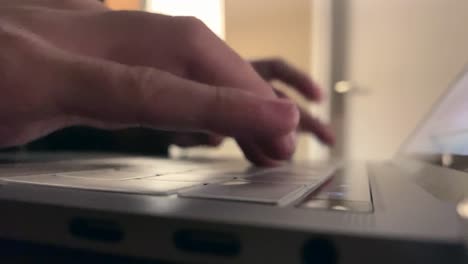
207	242
319	250
96	230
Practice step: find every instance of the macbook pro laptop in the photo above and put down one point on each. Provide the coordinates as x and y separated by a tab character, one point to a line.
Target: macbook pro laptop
225	211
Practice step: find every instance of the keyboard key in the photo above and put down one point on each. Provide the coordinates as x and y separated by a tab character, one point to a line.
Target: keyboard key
305	172
283	179
47	168
159	170
260	192
289	177
190	169
110	174
124	186
198	176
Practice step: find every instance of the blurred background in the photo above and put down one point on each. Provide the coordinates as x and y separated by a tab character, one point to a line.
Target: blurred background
382	64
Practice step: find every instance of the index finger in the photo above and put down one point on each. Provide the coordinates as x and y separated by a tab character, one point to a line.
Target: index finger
277	69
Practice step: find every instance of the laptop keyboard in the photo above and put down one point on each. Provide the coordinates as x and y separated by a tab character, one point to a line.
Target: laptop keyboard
248	191
122	186
276	186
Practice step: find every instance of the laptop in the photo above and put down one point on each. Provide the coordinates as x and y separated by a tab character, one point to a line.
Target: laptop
225	211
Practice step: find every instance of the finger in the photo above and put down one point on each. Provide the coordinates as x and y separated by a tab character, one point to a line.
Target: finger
54	4
309	123
277	69
281	148
115	93
218	67
255	154
320	130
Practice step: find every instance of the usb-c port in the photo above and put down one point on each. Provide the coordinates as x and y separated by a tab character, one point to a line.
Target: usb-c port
207	242
96	230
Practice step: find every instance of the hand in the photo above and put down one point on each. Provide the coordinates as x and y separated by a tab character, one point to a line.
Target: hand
118	69
269	70
277	69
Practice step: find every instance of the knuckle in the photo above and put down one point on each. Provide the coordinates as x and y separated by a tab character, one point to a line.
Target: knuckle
12	52
194	32
216	107
191	25
139	78
17	41
142	81
9	35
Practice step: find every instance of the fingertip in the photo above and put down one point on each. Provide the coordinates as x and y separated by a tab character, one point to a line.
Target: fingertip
255	155
262	161
316	94
330	138
215	140
312	92
285	114
326	136
186	140
281	148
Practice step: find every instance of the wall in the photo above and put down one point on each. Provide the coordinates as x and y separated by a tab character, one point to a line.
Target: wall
124	4
405	53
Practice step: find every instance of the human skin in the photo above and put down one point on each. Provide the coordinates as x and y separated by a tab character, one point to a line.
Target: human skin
74	62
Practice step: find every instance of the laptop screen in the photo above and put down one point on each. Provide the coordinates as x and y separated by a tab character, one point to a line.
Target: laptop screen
445	129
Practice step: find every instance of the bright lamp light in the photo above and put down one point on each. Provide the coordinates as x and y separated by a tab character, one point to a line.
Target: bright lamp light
211	12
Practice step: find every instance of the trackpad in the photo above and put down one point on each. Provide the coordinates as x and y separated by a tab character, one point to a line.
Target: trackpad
248	191
348	190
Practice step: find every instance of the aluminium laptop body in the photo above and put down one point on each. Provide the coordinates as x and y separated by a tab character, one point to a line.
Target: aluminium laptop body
215	211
